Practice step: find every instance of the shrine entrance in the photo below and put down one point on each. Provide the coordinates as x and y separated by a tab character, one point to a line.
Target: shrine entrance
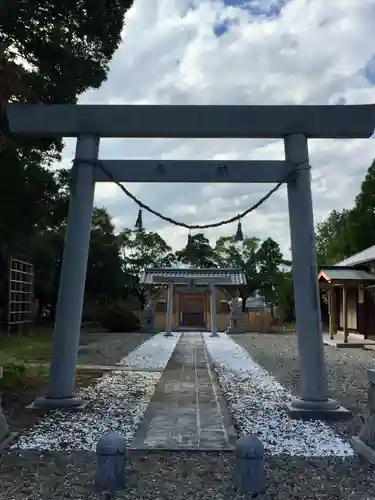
193	294
295	125
191	311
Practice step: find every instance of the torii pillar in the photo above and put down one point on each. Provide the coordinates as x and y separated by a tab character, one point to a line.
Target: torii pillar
314	402
293	124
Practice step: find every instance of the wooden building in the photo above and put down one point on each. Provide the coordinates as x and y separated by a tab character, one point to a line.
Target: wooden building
191	308
350	286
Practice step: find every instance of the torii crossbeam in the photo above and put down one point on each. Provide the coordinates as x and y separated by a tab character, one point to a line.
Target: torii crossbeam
294	124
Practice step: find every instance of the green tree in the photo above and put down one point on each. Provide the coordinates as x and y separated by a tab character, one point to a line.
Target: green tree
105	276
362	216
285	297
334	238
269	262
197	252
66	46
240	254
140	249
50	52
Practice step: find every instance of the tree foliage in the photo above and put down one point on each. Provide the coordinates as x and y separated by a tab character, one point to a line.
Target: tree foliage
346	232
197	252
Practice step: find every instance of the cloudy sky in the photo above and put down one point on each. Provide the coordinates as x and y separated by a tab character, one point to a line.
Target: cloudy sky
239	52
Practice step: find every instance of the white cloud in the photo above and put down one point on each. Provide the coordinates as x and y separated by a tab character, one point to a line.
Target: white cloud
313	53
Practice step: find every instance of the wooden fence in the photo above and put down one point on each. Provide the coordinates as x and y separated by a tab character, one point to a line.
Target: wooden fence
251	320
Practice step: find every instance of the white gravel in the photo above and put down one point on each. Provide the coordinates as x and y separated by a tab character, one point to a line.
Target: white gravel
118	401
256	402
153	354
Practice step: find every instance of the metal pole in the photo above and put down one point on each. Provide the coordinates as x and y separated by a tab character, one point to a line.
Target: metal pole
67	328
213	311
314	402
168	330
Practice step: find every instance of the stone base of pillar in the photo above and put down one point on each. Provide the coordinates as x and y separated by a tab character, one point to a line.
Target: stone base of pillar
364	444
8	440
168	334
235	329
214	334
363	449
6	436
148	329
329	410
74	403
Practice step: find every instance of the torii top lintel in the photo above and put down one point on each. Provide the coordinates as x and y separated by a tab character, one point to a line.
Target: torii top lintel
171	121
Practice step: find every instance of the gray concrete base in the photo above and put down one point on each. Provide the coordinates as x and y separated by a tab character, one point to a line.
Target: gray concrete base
341	345
74	404
168	334
8	441
148	329
363	450
233	330
328	410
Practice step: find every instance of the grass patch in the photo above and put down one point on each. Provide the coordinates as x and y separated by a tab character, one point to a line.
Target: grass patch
36	346
21	377
290	326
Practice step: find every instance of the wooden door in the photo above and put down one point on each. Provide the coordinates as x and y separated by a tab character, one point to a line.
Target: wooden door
192	310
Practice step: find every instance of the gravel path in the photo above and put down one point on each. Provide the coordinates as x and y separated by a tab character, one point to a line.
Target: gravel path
108	348
26	475
346	371
172	476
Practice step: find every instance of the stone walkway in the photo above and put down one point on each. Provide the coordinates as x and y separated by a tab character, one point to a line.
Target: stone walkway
187	411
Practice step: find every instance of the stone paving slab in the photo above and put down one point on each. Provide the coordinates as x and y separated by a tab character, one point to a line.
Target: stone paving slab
187	411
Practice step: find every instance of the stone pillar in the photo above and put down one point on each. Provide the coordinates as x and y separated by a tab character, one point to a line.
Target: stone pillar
345	313
364	444
213	311
67	327
314	402
168	329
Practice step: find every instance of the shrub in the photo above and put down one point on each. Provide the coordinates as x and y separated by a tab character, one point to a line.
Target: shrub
117	317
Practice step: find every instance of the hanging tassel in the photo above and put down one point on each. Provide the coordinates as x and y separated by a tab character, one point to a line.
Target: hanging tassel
138	222
239	234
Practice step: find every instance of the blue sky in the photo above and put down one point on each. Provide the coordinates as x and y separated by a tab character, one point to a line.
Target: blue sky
256	9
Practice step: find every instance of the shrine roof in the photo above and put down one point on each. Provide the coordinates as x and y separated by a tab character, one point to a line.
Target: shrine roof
338	274
217	276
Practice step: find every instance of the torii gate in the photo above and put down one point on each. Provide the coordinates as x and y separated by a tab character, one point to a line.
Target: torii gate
294	124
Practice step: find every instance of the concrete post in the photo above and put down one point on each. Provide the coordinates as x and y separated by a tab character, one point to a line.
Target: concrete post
314	402
213	311
72	281
168	330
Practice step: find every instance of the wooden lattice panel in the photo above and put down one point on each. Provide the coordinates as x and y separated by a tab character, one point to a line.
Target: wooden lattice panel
21	292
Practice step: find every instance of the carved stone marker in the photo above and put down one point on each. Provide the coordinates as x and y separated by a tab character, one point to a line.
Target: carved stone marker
364	444
249	475
111	459
235	317
148	324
